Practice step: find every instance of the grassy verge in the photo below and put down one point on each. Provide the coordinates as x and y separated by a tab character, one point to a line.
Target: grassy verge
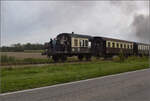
14	79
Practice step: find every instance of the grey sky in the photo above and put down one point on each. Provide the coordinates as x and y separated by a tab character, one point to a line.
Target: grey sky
38	21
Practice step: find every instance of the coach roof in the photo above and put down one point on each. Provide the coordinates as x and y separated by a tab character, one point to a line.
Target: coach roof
76	35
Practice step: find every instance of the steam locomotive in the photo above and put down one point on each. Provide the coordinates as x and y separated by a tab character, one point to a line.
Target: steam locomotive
84	46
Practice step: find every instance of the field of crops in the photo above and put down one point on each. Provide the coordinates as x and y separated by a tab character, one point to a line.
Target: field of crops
21	58
22	55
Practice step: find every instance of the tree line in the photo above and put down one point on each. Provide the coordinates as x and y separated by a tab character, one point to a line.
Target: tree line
21	47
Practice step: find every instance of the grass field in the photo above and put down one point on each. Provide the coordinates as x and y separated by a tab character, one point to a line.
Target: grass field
21	58
22	55
14	79
7	59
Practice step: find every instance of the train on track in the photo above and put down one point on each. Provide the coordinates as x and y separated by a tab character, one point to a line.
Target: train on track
84	46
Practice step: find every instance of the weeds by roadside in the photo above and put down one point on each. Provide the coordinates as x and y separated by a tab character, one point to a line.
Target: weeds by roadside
14	79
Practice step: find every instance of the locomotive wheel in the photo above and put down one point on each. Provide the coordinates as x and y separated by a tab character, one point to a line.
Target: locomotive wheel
80	57
63	58
55	58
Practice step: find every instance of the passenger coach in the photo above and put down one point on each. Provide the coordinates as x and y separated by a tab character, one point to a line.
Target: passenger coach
84	46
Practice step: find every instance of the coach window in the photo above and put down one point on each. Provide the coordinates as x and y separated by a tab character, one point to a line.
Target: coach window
108	44
117	45
80	43
128	46
86	43
124	45
120	45
75	42
113	45
142	47
131	46
139	47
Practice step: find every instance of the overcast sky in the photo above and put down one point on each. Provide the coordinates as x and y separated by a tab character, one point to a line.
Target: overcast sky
38	21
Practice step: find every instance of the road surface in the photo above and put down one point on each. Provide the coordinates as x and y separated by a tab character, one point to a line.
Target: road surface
132	86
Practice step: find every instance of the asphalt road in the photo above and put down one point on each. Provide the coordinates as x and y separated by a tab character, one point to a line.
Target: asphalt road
133	86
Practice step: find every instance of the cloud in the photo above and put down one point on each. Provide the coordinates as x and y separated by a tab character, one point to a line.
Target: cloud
132	6
38	21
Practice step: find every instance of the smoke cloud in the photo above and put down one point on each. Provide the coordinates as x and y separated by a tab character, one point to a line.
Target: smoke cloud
141	27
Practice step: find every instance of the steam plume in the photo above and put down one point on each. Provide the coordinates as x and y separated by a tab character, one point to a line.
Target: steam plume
141	27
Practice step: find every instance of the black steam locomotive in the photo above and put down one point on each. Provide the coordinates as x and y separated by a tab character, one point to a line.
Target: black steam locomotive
70	44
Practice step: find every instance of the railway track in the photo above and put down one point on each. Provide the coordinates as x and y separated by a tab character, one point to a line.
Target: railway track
53	63
44	64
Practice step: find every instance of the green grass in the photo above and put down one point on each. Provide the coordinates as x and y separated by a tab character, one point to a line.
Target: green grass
14	79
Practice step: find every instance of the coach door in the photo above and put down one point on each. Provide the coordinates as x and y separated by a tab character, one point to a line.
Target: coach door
97	46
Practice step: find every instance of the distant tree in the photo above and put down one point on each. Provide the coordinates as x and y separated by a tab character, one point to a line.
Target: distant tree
21	47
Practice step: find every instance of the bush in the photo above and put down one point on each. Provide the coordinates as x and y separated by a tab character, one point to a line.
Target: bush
120	58
116	58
